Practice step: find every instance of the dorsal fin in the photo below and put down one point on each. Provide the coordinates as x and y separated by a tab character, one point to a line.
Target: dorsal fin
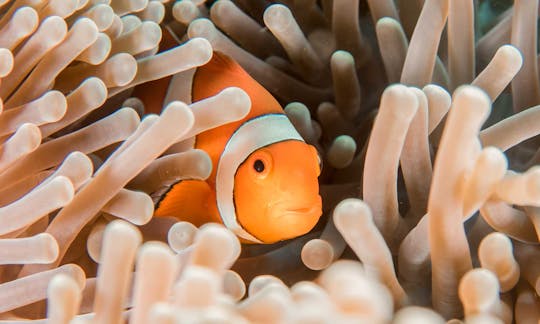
222	72
221	62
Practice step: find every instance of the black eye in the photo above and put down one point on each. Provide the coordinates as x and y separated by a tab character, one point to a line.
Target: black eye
258	166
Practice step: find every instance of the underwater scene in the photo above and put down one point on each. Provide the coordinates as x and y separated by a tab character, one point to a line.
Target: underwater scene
257	161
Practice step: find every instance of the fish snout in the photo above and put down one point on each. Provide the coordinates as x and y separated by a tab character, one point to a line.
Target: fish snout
304	206
297	218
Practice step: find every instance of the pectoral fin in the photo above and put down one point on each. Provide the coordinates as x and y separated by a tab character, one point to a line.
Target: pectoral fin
189	200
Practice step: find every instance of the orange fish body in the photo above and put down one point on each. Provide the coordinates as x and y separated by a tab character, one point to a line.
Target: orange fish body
263	185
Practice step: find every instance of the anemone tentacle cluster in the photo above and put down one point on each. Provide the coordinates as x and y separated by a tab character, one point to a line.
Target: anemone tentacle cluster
426	114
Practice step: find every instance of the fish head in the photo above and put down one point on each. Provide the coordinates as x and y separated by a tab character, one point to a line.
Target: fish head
276	191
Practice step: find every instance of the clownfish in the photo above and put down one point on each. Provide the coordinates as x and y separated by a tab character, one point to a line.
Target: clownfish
264	181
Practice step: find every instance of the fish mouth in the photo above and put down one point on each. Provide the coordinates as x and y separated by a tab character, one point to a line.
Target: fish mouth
310	209
292	219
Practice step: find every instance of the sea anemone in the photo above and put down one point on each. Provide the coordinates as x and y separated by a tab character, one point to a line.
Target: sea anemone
425	114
